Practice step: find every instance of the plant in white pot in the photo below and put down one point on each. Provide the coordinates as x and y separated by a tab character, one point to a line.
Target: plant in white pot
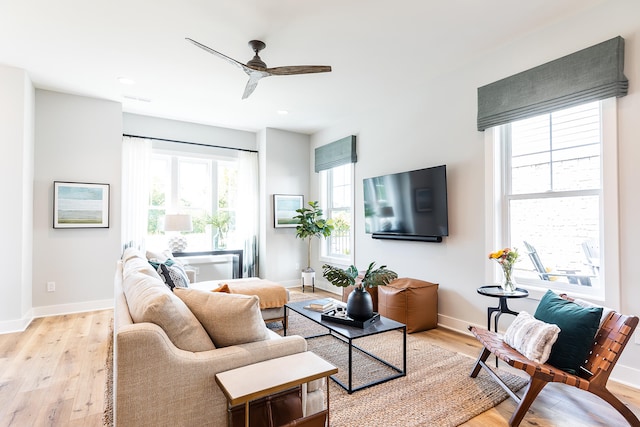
359	303
310	225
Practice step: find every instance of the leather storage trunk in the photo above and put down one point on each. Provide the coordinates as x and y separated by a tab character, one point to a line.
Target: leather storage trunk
410	301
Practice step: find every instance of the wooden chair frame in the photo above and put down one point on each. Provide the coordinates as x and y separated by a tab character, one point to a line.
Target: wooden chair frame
610	340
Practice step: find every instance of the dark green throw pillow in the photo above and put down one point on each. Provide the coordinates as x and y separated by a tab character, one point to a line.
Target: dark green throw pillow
578	327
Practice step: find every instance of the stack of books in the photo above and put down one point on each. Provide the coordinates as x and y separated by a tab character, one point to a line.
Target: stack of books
321	306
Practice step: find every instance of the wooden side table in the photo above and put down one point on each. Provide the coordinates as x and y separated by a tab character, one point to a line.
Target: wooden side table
251	382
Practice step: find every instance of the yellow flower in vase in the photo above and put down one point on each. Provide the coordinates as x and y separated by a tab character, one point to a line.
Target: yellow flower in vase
506	257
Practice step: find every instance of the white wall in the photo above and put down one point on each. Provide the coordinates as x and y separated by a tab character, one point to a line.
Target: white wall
153	127
435	124
284	169
77	139
16	193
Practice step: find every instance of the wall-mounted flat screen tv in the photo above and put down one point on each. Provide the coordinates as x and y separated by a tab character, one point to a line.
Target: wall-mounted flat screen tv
408	205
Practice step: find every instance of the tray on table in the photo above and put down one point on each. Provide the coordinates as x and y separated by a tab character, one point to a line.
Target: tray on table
341	317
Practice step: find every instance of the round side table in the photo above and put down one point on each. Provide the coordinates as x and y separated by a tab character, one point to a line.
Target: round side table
497	292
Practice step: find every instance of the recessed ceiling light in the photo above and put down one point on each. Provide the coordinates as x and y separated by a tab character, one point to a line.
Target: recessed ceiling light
282	112
126	80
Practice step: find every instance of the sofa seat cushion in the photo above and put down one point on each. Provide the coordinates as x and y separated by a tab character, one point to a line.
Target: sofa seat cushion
149	300
229	319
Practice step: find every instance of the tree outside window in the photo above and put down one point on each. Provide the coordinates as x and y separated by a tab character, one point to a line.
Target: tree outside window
205	188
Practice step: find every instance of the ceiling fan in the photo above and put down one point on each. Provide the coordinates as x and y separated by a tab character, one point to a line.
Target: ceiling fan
257	69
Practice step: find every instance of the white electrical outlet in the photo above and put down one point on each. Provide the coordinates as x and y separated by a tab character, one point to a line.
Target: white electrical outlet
51	286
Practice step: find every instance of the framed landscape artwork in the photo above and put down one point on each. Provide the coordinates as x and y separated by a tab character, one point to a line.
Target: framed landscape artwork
80	205
284	209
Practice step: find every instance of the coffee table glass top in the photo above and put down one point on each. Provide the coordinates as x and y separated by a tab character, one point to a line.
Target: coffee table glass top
382	325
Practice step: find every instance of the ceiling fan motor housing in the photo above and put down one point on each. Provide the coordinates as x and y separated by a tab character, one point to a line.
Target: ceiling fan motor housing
256	46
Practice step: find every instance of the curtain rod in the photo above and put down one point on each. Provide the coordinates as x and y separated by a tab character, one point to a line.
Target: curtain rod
190	143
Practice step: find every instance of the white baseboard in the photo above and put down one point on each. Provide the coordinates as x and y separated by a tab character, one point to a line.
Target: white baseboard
16	325
626	375
77	307
622	374
19	325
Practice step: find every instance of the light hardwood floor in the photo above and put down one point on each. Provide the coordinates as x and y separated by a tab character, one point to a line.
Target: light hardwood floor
53	374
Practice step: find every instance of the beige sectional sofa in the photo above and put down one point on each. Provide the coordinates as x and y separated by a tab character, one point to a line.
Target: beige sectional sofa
168	348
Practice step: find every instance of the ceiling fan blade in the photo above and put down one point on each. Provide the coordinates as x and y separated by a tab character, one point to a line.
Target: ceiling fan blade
298	69
221	55
254	77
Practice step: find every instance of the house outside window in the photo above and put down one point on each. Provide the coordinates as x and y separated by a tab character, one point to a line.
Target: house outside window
337	203
552	187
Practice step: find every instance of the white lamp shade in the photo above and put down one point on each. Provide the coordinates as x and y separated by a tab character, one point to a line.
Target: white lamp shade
178	222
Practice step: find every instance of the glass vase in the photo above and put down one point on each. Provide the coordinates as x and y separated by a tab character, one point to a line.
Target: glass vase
508	285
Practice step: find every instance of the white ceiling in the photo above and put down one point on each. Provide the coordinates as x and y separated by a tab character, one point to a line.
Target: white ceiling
378	50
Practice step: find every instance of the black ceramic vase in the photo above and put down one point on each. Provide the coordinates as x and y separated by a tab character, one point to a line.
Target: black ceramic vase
359	305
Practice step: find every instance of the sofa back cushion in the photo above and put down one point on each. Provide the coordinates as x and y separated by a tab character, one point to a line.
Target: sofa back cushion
230	319
134	262
149	300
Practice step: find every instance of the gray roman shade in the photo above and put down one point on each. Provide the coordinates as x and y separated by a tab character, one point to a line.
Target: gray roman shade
337	153
591	74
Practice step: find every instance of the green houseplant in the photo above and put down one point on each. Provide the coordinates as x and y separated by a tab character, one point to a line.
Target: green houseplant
310	225
220	221
359	304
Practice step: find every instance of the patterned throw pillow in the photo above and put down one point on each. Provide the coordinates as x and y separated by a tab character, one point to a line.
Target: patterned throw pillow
532	337
172	273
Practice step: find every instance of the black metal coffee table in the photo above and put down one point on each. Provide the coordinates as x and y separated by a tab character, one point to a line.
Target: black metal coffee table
348	334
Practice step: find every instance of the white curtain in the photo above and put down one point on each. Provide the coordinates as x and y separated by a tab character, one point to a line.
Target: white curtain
247	213
136	157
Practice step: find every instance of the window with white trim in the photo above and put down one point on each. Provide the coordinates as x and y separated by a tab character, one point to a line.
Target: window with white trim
204	187
552	198
337	204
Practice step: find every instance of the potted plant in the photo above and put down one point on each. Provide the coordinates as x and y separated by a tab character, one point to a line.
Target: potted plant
220	221
310	225
359	303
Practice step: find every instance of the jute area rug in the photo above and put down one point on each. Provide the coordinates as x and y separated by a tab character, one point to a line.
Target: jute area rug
437	390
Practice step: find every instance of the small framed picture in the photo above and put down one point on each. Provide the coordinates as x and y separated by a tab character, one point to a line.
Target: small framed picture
284	209
80	205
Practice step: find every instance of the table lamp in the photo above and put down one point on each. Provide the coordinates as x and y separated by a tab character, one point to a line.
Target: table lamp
175	224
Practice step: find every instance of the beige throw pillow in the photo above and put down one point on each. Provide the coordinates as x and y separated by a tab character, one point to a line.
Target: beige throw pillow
149	300
531	337
229	319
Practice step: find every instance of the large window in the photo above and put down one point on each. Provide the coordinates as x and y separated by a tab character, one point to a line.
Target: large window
200	186
552	204
337	198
